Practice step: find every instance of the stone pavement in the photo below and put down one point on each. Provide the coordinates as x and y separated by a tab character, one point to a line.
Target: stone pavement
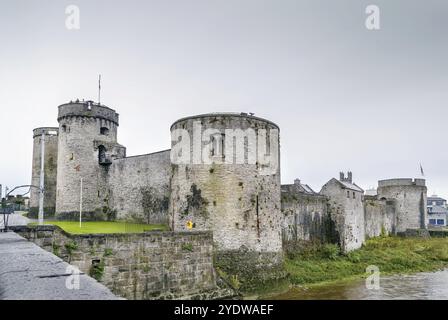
28	272
15	219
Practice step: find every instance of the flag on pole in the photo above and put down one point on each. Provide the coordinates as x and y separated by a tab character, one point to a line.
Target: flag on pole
421	170
99	89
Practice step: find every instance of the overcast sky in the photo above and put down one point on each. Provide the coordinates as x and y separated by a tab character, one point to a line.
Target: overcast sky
345	97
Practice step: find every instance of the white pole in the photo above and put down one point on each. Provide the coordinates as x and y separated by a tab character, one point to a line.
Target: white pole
80	205
41	184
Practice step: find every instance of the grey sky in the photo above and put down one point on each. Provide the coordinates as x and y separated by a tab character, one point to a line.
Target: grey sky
344	97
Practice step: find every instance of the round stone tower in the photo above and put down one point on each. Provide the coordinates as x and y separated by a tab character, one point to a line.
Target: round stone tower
226	179
87	146
50	170
410	196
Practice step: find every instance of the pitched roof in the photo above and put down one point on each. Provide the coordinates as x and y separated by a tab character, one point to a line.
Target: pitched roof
298	187
349	185
436	198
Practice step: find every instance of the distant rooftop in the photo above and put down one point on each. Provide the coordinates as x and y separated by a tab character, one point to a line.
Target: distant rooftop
297	186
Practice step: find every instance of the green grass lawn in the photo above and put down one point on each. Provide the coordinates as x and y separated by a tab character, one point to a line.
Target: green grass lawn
93	227
391	254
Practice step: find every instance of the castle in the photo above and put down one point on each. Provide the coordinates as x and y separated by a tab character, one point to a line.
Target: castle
249	212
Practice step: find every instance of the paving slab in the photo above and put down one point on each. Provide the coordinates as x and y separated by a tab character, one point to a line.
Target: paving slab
28	272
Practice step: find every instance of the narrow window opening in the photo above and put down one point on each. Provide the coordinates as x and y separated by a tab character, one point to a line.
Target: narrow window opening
104	131
101	154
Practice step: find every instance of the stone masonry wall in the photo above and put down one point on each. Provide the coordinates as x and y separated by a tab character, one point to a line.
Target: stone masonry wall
238	200
235	200
379	216
80	139
139	187
306	218
50	170
347	212
153	265
410	196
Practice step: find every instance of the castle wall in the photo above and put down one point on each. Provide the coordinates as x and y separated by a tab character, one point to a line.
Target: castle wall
50	171
379	216
152	265
411	198
237	201
306	218
139	187
80	140
347	213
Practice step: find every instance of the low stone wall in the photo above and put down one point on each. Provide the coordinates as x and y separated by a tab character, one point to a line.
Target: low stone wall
250	271
152	265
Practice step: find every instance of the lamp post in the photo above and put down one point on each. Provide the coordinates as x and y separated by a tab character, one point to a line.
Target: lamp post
42	180
80	204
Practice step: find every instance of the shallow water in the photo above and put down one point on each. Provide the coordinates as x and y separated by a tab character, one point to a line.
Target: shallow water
420	286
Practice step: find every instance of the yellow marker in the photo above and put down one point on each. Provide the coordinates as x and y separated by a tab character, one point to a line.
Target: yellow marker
189	224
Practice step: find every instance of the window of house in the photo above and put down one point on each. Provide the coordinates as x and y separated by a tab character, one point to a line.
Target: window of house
354	195
348	194
104	131
432	221
64	128
440	222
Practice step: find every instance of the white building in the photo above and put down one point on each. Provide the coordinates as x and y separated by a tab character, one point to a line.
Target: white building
437	211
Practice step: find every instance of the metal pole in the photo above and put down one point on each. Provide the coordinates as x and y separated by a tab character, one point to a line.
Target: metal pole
42	180
80	205
99	89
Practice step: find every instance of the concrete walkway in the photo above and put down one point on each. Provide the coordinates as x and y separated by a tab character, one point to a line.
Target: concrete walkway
15	219
28	272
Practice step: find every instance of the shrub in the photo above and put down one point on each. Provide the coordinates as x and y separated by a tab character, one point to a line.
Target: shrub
330	251
187	247
108	252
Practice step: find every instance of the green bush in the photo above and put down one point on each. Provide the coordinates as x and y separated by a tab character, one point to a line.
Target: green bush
390	254
330	251
108	252
70	247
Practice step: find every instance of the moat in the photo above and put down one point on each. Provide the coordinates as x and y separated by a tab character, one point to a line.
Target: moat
420	286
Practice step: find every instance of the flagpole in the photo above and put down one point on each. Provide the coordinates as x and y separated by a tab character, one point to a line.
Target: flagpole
99	89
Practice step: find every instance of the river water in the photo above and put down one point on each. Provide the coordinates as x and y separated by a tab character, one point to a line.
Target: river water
421	286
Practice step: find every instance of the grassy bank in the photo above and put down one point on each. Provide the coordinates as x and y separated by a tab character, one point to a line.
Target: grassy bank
92	227
391	254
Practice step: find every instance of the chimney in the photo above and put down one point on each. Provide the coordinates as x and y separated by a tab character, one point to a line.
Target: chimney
341	176
349	176
297	182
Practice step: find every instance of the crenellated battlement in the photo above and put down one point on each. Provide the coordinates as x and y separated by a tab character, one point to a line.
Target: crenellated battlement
401	182
87	109
52	131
